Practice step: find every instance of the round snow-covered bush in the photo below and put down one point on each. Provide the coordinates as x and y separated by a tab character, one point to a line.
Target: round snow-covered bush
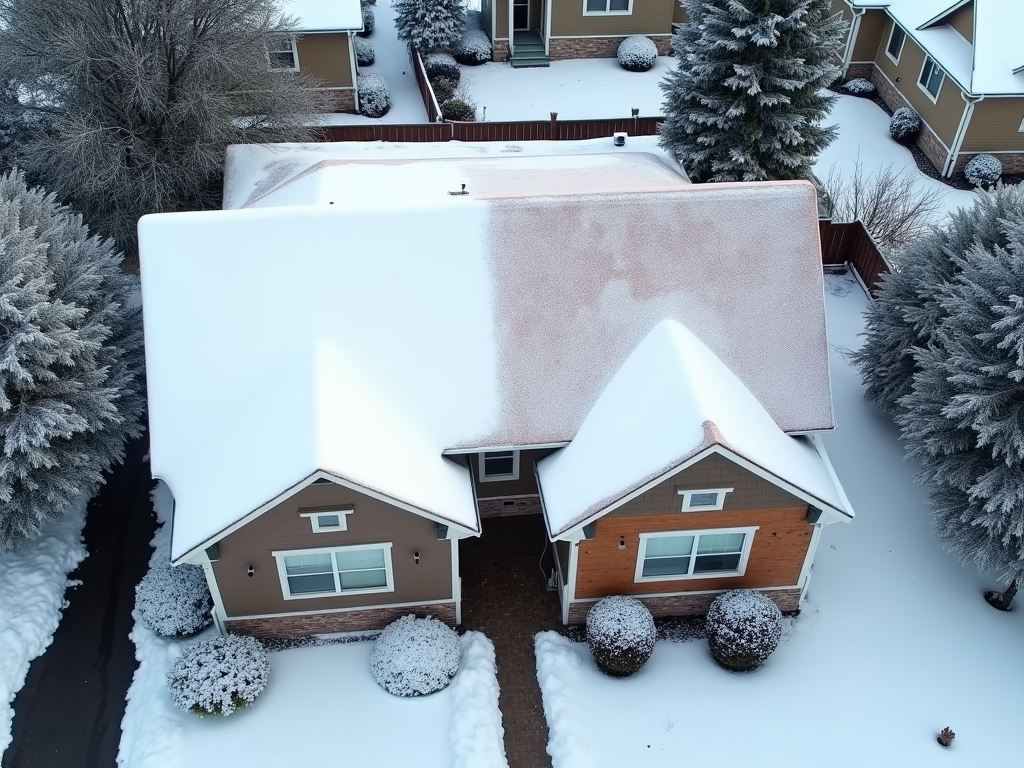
637	53
415	657
219	675
905	125
458	110
441	64
743	627
983	170
368	22
476	20
174	601
474	48
444	88
374	95
621	635
859	87
364	52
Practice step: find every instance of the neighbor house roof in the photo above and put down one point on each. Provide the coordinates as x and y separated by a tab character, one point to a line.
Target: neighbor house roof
324	15
671	402
991	66
285	340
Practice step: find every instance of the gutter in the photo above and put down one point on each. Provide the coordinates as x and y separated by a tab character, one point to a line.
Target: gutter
961	133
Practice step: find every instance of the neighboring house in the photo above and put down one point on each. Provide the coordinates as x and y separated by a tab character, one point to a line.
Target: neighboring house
958	63
532	32
322	46
384	345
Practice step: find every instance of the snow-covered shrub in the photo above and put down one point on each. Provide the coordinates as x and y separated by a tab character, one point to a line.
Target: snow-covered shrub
637	53
444	88
743	627
368	22
174	601
374	95
905	125
415	657
983	170
473	48
364	52
441	65
620	634
458	110
859	87
219	675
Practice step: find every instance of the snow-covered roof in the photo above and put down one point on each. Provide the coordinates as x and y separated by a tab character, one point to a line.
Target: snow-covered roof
986	67
285	340
324	15
671	401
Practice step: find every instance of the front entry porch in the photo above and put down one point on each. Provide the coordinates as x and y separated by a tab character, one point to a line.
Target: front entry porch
528	49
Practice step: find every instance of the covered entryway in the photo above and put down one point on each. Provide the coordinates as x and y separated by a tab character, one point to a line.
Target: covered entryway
528	31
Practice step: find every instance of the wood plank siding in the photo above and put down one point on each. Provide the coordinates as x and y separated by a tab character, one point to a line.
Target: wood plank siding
372	521
995	126
326	57
500	19
962	20
869	35
649	17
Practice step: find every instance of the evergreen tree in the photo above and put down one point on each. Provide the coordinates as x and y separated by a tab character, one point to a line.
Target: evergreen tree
430	25
746	100
71	365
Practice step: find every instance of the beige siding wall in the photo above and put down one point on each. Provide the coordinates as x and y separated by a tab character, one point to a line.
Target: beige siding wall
373	521
649	17
679	14
869	35
500	19
963	22
995	126
326	57
487	9
843	9
944	115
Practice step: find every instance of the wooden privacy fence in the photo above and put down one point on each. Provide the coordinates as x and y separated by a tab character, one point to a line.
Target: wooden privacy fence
852	244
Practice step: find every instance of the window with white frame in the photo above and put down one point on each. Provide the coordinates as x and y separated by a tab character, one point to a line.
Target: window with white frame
284	54
896	39
675	555
327	520
596	7
931	78
1021	128
499	465
335	571
704	499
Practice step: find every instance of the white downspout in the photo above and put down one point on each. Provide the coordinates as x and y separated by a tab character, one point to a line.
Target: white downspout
354	68
805	572
961	133
511	29
570	589
456	581
851	39
219	613
547	27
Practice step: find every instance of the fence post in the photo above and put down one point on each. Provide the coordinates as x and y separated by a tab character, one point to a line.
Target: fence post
553	127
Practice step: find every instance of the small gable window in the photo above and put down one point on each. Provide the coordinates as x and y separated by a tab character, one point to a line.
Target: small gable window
674	555
931	78
284	55
327	520
499	465
704	499
896	40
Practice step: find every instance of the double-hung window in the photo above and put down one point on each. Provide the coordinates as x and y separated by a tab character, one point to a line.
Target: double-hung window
896	39
676	555
595	7
499	465
931	78
335	571
284	54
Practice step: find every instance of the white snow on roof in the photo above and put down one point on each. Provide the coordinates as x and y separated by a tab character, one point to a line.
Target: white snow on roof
285	340
324	15
670	400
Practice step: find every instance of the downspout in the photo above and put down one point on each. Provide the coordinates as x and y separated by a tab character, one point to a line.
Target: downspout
961	133
852	37
354	69
547	27
510	29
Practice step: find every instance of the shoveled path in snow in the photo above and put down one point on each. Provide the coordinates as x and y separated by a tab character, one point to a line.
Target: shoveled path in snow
69	712
504	596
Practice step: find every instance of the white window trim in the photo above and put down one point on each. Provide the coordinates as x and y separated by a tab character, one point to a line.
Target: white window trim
1021	128
741	569
282	574
341	512
888	42
628	12
934	99
484	478
719	504
295	57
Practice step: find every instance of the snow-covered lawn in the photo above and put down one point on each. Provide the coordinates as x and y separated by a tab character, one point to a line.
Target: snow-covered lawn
321	706
864	134
895	642
577	89
32	583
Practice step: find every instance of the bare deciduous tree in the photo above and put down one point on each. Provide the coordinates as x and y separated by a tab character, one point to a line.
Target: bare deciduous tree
890	204
144	95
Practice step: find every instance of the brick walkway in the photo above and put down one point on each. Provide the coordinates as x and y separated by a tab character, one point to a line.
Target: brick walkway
504	595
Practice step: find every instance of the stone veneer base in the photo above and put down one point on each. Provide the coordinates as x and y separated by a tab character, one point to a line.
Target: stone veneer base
788	601
560	48
508	507
342	621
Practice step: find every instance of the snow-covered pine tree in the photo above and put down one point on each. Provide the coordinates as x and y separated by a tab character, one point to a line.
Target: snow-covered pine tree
430	25
746	100
71	360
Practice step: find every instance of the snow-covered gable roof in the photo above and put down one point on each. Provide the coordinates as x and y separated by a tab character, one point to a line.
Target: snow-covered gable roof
324	15
670	402
286	340
988	67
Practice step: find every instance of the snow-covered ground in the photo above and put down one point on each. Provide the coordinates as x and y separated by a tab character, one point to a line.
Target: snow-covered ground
864	134
577	89
32	583
895	642
320	706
